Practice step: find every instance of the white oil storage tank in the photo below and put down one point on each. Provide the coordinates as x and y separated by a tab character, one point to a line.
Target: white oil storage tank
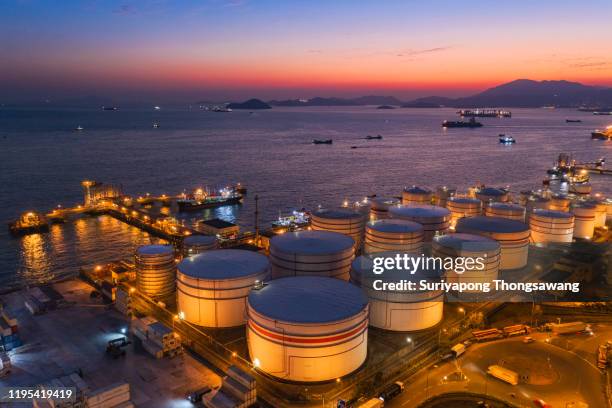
442	194
512	235
156	272
601	212
194	244
393	235
506	210
343	221
462	207
399	310
212	287
307	329
379	207
313	253
559	202
434	219
416	195
549	226
584	219
481	258
489	194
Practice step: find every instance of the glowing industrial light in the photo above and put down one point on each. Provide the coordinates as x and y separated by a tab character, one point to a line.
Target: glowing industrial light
181	315
98	268
408	340
132	290
338	380
256	363
234	354
123	330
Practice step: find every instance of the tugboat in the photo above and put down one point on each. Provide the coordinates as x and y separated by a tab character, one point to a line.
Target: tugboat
79	128
370	137
29	223
605	134
201	199
326	141
507	140
565	170
461	124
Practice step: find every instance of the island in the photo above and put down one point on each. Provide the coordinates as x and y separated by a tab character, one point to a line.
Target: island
251	104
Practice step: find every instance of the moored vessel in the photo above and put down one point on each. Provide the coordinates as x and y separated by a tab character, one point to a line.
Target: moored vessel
461	123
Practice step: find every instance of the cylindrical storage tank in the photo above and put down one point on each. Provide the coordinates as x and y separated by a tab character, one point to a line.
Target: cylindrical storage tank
212	287
469	246
379	207
194	244
311	253
399	310
537	203
156	271
584	219
549	226
601	211
442	194
307	329
343	221
506	210
489	194
463	207
559	202
608	204
416	195
434	219
512	235
393	235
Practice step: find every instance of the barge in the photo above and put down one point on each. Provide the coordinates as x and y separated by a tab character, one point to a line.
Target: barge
484	113
461	124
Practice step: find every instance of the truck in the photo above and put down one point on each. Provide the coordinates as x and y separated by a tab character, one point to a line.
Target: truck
568	328
391	391
196	396
503	374
458	349
373	403
516	330
487	334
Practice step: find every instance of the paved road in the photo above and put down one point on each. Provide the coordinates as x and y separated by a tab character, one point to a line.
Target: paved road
565	375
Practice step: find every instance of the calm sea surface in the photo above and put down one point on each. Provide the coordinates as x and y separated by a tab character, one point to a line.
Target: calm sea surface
42	161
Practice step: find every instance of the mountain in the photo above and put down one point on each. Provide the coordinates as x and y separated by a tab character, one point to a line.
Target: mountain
319	101
251	104
429	102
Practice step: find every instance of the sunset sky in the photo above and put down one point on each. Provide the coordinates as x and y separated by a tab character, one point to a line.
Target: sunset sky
219	49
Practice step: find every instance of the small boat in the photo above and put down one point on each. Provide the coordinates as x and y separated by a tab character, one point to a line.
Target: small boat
155	125
603	134
461	124
602	113
370	137
157	107
573	121
325	141
110	108
506	139
79	128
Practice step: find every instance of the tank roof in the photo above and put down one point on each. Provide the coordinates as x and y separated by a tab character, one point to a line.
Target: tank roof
200	240
337	214
552	213
155	250
424	211
312	242
464	200
506	206
395	226
467	242
493	191
224	264
491	224
307	299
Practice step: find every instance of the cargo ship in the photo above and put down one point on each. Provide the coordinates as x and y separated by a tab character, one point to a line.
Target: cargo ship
602	134
461	124
484	113
201	199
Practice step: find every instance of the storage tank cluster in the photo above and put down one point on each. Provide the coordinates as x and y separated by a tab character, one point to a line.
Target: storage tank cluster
343	221
506	210
156	272
393	235
379	207
212	287
601	212
434	219
195	244
442	195
512	235
313	253
416	196
463	207
548	226
469	246
559	202
488	194
307	329
396	310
